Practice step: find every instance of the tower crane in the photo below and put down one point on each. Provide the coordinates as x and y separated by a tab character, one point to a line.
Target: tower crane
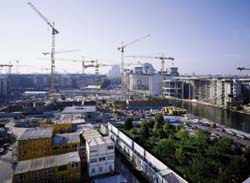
122	49
97	65
163	60
243	68
52	54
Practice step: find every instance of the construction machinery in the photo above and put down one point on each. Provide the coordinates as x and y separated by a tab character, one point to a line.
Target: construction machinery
52	54
63	51
163	60
122	49
242	68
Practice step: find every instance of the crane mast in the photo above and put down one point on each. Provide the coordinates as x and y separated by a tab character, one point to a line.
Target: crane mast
52	54
121	49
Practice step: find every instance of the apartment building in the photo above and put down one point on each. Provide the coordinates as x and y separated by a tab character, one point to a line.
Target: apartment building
40	142
100	153
49	169
220	91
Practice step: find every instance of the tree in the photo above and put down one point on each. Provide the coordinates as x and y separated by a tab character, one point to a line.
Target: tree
128	124
155	129
180	155
105	82
159	118
144	130
181	134
166	128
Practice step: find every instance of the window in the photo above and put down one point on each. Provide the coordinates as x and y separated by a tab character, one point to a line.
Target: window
100	169
23	153
74	165
93	170
102	159
75	146
110	147
55	148
36	174
63	179
94	160
93	151
62	168
110	157
20	177
65	147
110	168
49	171
23	142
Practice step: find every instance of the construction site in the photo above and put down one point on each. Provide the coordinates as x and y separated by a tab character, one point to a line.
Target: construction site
143	121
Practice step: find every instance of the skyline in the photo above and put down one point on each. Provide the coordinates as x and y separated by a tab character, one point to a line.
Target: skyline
208	37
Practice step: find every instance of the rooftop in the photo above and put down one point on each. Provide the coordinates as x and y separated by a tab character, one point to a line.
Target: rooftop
37	133
66	138
95	141
79	109
46	162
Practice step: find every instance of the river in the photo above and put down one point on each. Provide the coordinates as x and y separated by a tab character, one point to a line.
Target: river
225	117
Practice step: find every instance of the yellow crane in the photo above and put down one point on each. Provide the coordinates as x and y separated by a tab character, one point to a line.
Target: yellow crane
122	49
163	60
52	54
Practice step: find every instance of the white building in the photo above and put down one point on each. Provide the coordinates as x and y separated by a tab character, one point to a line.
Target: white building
100	153
114	71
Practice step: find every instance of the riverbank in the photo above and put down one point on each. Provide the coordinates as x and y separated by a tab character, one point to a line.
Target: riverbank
246	112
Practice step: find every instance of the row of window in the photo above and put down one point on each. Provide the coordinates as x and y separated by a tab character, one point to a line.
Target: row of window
109	157
21	178
108	147
24	142
50	171
100	169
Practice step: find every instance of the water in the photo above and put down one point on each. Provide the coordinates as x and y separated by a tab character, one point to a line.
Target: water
225	117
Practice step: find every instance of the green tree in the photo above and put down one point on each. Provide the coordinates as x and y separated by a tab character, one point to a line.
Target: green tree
181	134
159	118
155	129
128	124
105	82
144	130
166	128
180	155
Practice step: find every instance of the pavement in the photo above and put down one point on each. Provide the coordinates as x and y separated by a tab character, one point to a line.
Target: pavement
6	159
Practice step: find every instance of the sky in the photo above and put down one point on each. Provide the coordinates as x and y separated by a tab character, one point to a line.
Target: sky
204	36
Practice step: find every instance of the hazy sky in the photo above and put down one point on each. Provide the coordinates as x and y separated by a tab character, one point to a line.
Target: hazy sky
204	36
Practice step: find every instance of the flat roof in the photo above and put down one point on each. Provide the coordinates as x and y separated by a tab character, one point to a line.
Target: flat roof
37	133
46	162
79	109
95	141
66	138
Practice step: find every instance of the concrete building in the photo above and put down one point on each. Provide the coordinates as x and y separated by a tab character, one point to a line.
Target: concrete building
220	91
100	152
3	86
114	72
57	168
173	87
